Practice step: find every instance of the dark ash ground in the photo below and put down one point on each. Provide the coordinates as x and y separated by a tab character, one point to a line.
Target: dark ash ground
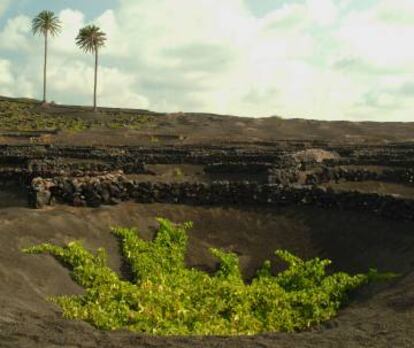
380	315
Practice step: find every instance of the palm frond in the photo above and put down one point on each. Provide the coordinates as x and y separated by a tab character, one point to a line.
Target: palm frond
46	22
90	38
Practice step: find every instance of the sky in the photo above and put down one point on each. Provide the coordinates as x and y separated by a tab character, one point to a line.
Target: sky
315	59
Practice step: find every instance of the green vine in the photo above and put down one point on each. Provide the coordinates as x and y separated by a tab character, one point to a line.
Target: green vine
167	298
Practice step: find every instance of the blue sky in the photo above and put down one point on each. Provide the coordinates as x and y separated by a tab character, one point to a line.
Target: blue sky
326	59
91	8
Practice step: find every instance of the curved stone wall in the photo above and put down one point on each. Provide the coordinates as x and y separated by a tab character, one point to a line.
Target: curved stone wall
114	188
328	174
79	175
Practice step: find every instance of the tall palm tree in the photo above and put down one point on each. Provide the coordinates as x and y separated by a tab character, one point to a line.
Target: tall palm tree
46	23
90	39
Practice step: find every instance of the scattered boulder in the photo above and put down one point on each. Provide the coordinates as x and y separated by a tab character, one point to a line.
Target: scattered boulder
315	155
40	194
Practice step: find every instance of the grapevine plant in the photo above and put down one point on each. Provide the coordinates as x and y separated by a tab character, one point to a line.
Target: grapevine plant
165	297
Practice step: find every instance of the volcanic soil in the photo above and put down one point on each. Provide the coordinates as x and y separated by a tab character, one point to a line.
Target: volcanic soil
379	315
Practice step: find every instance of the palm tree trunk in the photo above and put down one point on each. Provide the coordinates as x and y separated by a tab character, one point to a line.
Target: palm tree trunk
44	70
96	81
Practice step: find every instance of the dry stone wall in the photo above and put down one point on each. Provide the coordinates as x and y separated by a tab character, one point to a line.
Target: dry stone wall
328	174
86	176
115	188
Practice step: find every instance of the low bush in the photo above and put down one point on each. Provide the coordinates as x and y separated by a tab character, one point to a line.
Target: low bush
167	298
25	116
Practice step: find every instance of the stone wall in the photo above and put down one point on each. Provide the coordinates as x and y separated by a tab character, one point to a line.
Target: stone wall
283	176
114	188
328	174
89	176
59	165
280	156
124	154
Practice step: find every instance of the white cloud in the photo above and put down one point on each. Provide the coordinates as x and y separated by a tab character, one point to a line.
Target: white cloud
72	21
396	12
6	77
322	12
15	34
320	59
116	46
4	4
115	87
381	35
12	83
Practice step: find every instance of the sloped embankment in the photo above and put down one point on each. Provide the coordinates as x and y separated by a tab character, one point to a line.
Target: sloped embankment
379	316
361	229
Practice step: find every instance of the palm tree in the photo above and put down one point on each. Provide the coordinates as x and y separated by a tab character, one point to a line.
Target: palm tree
46	23
90	39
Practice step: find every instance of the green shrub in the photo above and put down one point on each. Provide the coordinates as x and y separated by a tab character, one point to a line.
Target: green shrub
24	116
167	298
178	173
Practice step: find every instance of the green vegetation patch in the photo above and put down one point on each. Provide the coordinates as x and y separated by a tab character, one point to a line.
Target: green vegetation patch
167	298
24	116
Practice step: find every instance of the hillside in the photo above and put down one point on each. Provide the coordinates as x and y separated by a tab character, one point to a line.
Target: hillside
337	190
22	119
